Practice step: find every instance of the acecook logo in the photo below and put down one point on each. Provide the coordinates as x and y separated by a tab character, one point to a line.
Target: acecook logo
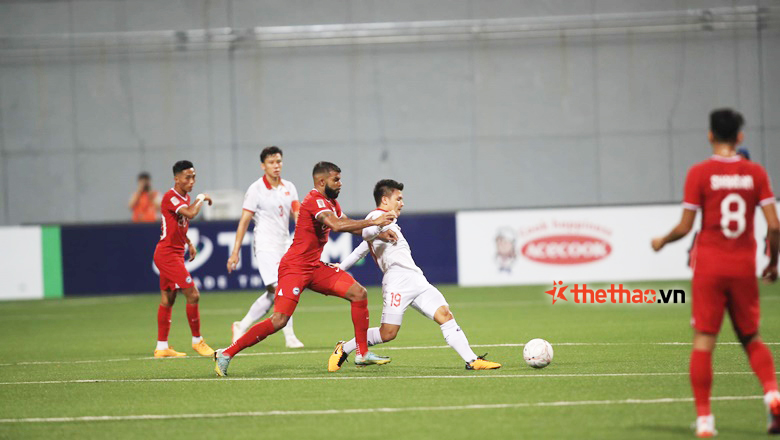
566	249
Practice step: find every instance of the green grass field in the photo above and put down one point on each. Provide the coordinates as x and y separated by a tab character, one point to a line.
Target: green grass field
619	372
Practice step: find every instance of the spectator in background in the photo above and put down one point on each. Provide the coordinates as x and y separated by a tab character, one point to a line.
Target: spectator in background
144	203
742	151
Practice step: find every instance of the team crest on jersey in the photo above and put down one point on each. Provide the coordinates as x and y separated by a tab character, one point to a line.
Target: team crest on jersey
296	291
189	280
175	201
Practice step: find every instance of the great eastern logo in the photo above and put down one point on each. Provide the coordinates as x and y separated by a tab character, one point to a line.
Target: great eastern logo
566	249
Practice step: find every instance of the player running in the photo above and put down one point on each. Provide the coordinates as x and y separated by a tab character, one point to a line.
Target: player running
169	259
301	268
403	285
727	189
270	201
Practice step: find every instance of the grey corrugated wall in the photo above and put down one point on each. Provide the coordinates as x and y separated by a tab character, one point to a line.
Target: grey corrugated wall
466	125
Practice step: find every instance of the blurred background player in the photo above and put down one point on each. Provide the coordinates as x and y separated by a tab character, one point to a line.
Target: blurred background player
727	189
144	203
403	285
270	201
177	211
301	268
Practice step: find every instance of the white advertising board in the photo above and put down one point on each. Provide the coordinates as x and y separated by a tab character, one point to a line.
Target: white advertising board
21	270
610	244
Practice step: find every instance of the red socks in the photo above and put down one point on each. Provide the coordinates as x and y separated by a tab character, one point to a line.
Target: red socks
257	333
360	322
701	380
763	365
193	317
163	322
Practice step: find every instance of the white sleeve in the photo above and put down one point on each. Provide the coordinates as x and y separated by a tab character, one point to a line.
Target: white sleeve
370	233
250	200
355	256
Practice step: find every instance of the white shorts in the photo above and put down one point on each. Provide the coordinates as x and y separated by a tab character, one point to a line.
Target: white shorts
401	289
268	265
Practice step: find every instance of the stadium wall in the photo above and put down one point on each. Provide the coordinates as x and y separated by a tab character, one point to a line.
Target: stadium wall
476	124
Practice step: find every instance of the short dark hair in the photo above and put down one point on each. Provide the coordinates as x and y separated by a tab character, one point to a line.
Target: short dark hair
269	151
325	167
144	175
725	124
385	187
182	165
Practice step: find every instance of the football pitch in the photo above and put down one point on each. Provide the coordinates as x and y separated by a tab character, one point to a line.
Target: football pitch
82	368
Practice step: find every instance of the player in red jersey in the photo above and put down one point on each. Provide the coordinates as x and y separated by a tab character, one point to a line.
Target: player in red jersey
169	259
301	268
727	189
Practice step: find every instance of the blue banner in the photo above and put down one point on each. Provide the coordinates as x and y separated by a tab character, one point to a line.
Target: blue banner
117	259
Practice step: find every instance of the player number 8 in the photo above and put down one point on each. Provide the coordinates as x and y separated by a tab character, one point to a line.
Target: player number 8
727	215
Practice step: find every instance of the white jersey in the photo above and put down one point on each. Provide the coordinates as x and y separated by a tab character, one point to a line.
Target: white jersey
271	207
388	256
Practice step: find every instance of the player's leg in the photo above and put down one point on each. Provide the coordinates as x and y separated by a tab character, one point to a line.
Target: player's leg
328	280
287	295
744	311
257	310
709	303
164	310
432	304
193	318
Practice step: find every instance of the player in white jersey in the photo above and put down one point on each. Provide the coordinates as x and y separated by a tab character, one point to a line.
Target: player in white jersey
270	202
403	285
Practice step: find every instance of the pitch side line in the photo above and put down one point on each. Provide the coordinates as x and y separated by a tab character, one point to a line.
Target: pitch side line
365	410
326	378
428	347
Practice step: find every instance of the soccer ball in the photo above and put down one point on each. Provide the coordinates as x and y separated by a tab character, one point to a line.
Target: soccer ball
538	353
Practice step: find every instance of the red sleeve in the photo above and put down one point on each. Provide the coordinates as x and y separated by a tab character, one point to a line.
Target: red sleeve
765	194
317	204
692	193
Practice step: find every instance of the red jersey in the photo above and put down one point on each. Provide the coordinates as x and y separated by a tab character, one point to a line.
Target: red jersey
310	235
727	189
174	227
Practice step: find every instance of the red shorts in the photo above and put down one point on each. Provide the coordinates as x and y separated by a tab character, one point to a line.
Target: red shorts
173	274
712	295
322	278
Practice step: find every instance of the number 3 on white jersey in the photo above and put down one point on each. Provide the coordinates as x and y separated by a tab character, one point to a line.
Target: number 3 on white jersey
738	216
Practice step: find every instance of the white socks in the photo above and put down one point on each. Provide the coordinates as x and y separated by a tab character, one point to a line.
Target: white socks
259	308
162	345
457	340
196	339
374	338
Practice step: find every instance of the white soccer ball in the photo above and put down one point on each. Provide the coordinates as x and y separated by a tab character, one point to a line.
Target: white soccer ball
538	353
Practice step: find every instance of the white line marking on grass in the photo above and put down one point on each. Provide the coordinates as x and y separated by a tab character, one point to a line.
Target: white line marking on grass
367	410
426	347
326	378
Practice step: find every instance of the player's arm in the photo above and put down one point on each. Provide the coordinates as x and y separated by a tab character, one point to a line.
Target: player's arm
192	211
372	233
243	225
192	248
345	224
295	210
358	253
773	237
681	230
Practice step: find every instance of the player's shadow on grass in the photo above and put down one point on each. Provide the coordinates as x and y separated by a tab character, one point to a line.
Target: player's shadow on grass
688	430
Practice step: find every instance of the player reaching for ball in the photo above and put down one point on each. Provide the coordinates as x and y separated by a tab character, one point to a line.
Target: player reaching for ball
271	201
301	268
727	189
177	211
403	285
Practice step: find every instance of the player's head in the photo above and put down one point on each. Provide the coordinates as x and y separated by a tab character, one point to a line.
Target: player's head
327	179
389	196
146	180
184	175
726	126
271	161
